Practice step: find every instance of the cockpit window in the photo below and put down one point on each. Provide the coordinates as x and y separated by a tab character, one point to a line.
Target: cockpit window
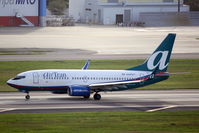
19	77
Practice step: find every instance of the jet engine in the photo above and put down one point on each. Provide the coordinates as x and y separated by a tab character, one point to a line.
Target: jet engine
79	91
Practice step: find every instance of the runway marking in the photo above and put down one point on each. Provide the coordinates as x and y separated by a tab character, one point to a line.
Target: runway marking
162	108
134	108
76	107
5	110
69	107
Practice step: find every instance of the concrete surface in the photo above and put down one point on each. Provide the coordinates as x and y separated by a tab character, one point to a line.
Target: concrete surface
100	39
97	42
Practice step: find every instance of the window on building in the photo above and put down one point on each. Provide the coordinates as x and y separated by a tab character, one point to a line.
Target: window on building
168	0
88	9
113	1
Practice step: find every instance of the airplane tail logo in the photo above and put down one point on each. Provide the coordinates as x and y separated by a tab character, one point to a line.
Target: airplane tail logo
159	60
161	63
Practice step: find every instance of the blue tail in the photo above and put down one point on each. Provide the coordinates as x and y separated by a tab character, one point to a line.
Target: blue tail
159	60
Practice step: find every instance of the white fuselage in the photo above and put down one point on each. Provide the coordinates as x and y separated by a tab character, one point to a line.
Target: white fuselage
42	78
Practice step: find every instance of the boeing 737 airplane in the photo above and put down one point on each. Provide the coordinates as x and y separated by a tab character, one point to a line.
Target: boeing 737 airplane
85	82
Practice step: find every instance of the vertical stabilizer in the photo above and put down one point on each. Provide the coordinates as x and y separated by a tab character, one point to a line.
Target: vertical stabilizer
159	60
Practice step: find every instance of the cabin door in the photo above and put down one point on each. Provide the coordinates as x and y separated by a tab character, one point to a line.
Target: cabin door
35	78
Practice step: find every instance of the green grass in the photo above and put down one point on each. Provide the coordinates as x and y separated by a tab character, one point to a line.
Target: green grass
9	69
117	122
39	52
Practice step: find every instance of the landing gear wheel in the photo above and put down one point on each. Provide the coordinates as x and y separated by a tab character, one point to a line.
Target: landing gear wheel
97	96
27	97
86	97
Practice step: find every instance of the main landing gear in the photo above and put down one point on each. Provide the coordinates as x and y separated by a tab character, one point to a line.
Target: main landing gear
97	96
86	97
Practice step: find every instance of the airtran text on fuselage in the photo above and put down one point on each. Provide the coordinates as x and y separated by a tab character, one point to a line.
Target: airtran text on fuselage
54	75
5	3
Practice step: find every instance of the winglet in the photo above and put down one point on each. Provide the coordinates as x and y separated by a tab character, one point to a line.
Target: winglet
85	67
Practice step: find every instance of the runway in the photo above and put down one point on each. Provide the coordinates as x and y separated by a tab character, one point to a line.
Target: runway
77	54
126	101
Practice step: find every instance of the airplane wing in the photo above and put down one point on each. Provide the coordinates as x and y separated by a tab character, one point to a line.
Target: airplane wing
86	65
113	85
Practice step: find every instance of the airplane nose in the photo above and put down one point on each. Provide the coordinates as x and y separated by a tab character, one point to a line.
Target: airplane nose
9	82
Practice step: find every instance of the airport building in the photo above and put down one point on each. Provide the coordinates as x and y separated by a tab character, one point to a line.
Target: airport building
22	12
125	11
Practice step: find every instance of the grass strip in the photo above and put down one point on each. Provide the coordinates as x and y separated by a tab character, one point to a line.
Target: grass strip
102	122
9	69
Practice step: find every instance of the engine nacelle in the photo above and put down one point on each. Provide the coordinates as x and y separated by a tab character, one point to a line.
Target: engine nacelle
79	91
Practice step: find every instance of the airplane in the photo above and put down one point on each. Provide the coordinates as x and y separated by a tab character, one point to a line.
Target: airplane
84	82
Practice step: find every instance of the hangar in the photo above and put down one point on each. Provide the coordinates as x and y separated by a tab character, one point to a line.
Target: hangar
123	11
22	12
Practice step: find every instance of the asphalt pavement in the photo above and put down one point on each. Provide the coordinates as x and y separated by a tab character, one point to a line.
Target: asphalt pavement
125	101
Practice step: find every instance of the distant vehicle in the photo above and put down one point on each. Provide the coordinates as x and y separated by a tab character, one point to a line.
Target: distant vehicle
85	82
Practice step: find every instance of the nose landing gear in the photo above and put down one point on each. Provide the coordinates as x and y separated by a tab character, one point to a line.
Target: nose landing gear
27	96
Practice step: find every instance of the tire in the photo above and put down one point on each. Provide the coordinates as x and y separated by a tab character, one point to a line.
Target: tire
27	97
97	97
